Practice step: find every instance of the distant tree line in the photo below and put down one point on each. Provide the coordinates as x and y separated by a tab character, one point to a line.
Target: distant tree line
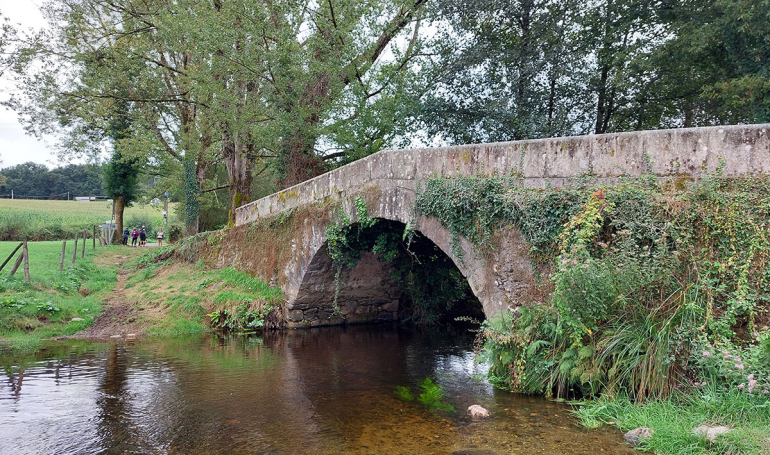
36	181
227	100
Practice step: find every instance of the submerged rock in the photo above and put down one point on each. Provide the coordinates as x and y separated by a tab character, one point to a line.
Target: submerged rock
637	434
477	412
711	432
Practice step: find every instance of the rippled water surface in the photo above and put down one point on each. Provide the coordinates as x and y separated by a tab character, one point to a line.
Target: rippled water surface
320	391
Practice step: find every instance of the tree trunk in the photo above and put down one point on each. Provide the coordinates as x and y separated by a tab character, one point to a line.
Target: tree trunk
239	166
600	104
120	206
192	192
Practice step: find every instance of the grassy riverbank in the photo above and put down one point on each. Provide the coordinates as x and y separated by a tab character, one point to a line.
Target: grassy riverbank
55	220
672	420
158	298
120	290
654	293
53	303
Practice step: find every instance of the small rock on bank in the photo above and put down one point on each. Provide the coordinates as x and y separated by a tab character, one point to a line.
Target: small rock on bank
710	432
637	434
477	412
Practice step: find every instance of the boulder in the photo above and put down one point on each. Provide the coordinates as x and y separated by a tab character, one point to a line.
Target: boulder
637	434
710	432
477	412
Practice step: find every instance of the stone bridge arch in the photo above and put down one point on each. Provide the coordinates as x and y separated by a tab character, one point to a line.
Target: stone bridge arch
499	279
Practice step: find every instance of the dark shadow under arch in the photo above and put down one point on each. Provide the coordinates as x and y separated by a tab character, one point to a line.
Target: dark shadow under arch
393	277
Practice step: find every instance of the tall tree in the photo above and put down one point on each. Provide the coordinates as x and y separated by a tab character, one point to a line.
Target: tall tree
121	174
97	53
507	70
292	83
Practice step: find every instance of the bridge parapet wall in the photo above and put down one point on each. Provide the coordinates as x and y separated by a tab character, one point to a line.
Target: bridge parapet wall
744	149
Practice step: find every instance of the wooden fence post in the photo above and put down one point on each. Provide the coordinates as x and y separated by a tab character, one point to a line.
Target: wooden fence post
11	255
26	261
94	237
83	249
63	249
75	250
18	263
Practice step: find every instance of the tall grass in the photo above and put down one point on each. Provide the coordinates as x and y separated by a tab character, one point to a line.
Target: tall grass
672	420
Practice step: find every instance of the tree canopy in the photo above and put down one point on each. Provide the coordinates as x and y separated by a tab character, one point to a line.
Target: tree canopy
245	97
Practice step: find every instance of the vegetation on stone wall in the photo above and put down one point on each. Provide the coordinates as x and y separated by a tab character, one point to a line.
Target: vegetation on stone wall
655	287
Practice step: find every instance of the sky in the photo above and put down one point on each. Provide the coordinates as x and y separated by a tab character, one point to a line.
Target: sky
15	145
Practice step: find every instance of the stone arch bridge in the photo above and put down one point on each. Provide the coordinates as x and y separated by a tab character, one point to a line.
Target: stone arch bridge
281	238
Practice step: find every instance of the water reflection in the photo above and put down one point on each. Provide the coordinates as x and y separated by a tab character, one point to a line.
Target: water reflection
319	391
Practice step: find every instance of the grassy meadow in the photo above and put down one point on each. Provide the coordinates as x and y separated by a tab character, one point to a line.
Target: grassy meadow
55	220
46	306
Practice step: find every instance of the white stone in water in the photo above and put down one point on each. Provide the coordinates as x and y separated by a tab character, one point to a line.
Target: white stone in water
477	412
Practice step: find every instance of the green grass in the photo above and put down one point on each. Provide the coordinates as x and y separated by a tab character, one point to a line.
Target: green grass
45	307
186	293
53	220
673	419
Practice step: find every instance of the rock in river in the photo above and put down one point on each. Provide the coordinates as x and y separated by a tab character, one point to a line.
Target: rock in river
477	412
634	436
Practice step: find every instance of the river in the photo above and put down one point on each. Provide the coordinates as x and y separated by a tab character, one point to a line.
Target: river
319	391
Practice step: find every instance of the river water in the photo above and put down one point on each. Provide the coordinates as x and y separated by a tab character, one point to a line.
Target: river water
320	391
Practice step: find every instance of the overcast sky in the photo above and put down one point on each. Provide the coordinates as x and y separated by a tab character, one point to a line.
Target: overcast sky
15	146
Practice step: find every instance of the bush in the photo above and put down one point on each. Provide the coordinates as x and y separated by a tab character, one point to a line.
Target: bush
643	275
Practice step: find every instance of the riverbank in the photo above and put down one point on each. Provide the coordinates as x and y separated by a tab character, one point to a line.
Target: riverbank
654	305
53	303
122	292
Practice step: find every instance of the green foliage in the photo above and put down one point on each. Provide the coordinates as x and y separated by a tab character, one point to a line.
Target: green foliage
733	368
556	67
468	207
242	319
192	193
639	274
431	396
121	178
247	301
30	180
475	207
404	393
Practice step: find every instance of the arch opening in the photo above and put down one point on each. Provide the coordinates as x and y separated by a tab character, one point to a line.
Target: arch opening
387	273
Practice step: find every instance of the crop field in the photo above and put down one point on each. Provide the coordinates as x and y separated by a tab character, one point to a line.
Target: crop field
54	220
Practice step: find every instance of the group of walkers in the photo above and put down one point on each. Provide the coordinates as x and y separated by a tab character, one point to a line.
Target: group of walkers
140	234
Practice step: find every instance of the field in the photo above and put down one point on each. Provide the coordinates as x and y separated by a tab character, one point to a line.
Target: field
54	303
55	220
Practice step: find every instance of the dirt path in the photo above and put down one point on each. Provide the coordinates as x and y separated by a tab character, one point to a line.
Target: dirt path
118	318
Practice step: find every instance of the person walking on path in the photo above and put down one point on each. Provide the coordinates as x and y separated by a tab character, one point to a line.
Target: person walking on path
134	236
142	237
160	237
125	236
